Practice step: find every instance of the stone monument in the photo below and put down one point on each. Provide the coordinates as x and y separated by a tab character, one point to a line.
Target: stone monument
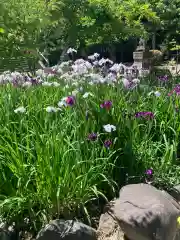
142	56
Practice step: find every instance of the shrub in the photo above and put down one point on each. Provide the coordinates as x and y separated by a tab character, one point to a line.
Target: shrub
156	56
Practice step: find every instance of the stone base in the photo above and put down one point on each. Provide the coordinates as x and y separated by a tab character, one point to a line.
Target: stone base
142	60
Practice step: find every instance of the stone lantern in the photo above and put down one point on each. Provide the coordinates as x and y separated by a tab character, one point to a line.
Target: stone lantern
142	56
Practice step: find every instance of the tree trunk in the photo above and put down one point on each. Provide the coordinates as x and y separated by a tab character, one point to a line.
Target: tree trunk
83	49
83	53
64	56
112	53
154	40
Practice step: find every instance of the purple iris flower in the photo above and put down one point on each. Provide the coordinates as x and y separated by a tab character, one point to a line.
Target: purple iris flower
164	78
92	136
106	104
148	115
70	100
176	90
149	172
107	143
149	176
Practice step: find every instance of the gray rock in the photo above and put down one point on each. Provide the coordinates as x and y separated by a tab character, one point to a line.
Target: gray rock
7	235
171	199
66	230
109	228
4	235
145	213
7	232
175	192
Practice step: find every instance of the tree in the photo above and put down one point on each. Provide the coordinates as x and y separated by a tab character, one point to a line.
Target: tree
84	22
21	23
169	24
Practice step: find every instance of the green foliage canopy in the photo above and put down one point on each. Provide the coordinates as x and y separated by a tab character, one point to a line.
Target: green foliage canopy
84	22
21	23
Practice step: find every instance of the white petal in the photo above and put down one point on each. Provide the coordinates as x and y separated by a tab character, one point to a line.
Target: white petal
157	94
20	109
62	103
136	80
109	128
87	94
48	84
51	109
150	93
56	84
75	92
27	84
125	82
71	50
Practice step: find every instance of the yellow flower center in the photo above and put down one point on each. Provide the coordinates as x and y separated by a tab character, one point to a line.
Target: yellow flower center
178	220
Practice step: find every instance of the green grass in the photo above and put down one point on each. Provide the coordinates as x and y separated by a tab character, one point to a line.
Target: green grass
50	169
